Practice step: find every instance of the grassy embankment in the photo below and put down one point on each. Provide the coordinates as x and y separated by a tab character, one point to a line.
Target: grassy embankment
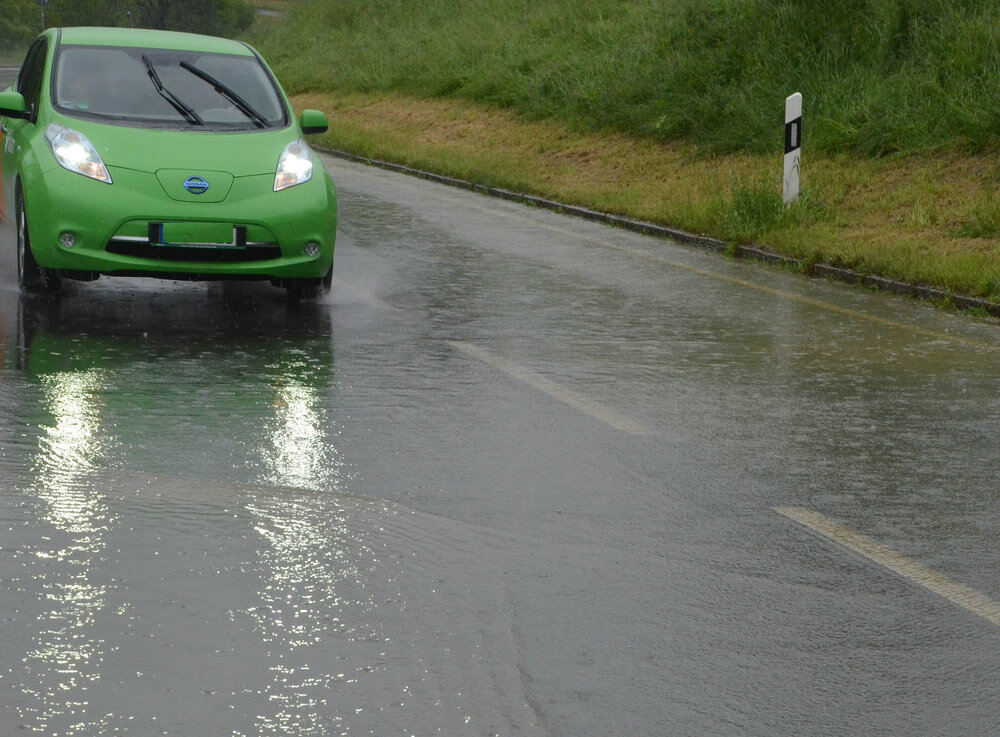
279	5
273	10
672	112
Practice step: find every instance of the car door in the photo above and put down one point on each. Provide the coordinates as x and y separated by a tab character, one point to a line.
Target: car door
14	132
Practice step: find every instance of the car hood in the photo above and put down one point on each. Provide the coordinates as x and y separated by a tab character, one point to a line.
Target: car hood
150	150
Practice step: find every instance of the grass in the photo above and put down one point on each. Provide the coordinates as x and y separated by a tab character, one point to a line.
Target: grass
282	5
932	218
671	111
879	77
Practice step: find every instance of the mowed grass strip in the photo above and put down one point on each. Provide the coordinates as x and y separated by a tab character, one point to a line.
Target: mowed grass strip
932	218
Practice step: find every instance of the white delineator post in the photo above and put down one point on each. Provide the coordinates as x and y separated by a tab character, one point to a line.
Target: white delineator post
793	147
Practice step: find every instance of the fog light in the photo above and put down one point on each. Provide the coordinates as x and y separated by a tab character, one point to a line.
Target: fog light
311	249
68	240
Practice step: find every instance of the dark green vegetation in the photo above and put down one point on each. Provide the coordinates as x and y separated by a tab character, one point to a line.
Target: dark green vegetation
879	76
21	20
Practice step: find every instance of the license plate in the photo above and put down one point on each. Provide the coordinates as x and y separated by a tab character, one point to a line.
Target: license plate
206	235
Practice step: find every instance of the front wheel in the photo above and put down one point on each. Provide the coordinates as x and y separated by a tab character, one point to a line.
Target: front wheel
305	289
31	277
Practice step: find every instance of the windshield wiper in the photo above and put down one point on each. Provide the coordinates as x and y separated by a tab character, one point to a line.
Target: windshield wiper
189	115
242	105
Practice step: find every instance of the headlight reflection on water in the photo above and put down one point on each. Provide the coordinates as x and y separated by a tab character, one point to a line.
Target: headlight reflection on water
312	586
65	659
299	454
66	450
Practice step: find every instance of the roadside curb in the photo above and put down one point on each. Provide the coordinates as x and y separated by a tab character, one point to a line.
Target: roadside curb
757	253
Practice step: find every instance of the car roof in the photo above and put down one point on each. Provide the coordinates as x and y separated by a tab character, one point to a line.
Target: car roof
143	38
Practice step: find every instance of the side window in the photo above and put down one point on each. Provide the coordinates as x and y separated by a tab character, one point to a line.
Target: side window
29	81
29	58
25	64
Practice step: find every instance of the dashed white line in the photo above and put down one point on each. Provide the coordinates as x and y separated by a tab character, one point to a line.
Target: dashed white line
955	592
567	396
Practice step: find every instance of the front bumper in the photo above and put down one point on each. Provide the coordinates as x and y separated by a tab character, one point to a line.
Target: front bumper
103	217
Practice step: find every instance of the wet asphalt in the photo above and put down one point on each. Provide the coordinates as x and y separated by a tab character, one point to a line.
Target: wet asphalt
516	475
8	74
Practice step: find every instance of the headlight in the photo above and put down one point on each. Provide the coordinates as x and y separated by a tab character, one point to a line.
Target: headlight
295	166
74	152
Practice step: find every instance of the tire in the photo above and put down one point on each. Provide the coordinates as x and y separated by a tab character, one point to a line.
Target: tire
31	277
301	290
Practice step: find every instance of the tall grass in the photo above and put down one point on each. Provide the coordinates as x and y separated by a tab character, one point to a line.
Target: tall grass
878	76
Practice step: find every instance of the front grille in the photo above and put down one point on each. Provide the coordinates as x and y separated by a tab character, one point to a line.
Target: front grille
143	249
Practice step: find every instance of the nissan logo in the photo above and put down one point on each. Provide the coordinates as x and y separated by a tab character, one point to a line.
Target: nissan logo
196	185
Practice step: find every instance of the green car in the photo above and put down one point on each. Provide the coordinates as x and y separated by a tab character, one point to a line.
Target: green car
150	153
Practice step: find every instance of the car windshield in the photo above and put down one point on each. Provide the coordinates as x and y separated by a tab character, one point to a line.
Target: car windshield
158	88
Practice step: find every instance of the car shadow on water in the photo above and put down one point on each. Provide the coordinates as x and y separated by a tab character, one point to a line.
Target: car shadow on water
102	326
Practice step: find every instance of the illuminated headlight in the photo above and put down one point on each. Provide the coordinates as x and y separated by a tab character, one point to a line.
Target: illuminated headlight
295	166
74	152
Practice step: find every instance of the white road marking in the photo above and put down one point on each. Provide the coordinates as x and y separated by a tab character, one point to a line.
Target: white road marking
567	396
953	591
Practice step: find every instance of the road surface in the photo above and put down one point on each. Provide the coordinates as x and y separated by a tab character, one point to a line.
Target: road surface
519	474
7	76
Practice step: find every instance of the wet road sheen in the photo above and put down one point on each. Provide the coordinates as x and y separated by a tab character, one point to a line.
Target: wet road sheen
8	75
518	475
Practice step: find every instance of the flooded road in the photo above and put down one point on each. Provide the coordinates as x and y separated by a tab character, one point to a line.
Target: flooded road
518	475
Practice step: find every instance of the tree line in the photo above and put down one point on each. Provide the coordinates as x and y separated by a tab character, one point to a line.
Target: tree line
21	20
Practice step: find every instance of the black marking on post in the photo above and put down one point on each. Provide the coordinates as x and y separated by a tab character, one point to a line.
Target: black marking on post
793	135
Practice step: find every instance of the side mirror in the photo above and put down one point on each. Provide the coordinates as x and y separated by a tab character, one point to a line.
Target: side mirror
12	105
313	121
